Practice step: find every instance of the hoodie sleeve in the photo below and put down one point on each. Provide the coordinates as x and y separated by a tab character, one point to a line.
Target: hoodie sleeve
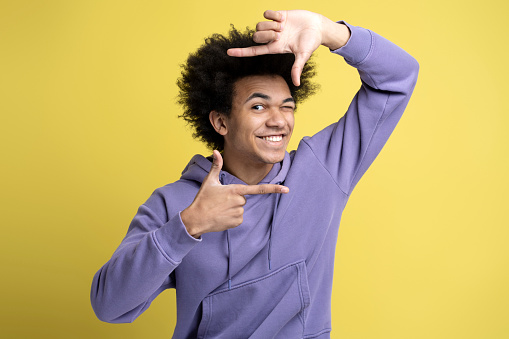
142	265
388	75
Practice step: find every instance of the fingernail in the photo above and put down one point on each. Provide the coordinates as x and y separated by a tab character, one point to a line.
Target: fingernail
285	189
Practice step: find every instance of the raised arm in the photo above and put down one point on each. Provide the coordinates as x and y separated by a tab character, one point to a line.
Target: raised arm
388	76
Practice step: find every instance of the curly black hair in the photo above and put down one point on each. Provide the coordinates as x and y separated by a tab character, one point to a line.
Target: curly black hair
208	79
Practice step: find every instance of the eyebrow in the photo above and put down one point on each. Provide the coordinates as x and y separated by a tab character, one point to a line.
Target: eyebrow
266	97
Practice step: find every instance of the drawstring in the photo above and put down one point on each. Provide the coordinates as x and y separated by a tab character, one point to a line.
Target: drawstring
229	260
230	252
278	196
230	255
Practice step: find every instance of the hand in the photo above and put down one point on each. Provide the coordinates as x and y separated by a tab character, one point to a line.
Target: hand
298	32
218	207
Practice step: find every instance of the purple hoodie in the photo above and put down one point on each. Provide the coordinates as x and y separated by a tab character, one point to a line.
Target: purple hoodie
270	277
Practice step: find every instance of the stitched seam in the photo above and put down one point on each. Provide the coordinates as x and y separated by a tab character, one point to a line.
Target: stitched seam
302	309
325	168
316	334
159	247
156	242
208	320
371	48
257	280
378	123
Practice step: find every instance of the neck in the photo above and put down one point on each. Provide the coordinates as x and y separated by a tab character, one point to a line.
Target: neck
248	172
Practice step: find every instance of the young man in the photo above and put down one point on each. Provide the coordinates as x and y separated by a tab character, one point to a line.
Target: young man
248	238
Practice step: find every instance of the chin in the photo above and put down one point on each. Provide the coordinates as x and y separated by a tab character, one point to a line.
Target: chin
274	158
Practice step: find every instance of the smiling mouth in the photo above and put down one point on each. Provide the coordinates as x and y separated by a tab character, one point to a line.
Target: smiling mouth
272	138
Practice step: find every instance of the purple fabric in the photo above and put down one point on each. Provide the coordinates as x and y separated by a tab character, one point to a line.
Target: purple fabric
292	298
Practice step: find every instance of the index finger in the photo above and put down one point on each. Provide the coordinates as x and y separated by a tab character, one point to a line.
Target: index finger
248	51
261	189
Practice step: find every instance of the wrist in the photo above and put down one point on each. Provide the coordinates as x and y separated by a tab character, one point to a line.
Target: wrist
334	35
190	225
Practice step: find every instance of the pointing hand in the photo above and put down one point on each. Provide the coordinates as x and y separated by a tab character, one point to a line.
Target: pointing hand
218	207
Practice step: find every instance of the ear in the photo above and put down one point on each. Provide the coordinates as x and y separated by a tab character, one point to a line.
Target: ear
219	122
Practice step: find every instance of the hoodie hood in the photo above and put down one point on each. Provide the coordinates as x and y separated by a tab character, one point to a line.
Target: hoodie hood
198	168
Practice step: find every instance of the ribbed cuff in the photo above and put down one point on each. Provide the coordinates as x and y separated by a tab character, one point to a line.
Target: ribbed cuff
358	47
174	240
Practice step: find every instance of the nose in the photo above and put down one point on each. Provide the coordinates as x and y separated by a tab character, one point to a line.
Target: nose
277	119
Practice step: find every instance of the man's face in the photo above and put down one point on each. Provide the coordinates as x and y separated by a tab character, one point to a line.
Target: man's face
261	121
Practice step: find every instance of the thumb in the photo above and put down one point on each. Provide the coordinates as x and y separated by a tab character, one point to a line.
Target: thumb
215	169
298	65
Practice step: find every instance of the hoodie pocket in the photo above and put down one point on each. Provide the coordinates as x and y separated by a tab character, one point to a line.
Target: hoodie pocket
272	305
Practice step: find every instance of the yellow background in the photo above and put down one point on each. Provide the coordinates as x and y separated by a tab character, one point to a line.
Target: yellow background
89	129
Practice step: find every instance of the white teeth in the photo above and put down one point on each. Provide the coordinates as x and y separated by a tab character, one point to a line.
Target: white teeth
274	138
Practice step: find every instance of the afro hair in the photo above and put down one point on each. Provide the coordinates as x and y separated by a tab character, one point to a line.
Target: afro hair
207	80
